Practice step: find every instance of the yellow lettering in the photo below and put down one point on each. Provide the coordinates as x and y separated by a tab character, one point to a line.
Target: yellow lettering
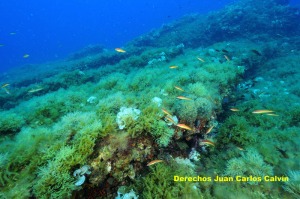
267	178
176	178
259	179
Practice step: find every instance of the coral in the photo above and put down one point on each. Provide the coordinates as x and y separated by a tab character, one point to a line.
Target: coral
157	101
127	115
129	195
194	155
80	174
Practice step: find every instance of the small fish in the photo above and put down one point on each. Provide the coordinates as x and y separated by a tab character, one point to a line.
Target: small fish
226	57
178	88
279	35
170	119
272	114
1	45
26	56
209	130
225	51
207	142
12	33
166	112
34	90
173	67
183	126
240	148
6	90
234	109
183	98
4	85
256	52
120	50
200	59
154	162
263	111
283	153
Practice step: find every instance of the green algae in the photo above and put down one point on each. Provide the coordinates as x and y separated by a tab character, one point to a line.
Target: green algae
54	132
159	183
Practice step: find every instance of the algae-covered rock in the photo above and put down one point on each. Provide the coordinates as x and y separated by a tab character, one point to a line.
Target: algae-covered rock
250	164
292	185
174	77
10	122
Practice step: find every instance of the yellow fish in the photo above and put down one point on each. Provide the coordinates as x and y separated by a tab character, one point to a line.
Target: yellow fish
166	112
154	162
26	56
272	114
263	111
35	90
234	109
4	85
170	119
183	98
200	59
183	126
207	142
240	148
120	50
178	88
5	89
209	130
173	67
226	57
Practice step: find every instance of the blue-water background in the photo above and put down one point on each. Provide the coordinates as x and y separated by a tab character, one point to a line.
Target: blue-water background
50	30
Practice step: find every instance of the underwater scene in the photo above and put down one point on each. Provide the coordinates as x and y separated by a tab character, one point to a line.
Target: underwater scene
206	106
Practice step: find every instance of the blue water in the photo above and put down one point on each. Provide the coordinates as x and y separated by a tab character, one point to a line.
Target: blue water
50	30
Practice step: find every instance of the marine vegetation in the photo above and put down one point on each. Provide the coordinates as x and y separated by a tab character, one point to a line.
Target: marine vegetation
203	96
159	182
